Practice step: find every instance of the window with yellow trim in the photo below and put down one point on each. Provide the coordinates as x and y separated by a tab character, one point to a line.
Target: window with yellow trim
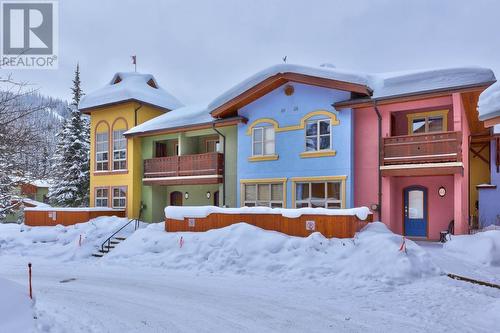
318	135
326	194
427	122
102	151
119	150
261	194
101	197
263	141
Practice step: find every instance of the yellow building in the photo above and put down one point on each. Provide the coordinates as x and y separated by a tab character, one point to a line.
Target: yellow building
116	163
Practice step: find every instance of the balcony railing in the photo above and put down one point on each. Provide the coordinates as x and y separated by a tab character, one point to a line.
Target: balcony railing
186	165
422	148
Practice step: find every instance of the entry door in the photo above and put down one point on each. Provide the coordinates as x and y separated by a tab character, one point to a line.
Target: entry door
415	211
176	198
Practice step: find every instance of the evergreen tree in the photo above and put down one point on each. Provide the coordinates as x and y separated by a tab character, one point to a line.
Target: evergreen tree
71	159
76	89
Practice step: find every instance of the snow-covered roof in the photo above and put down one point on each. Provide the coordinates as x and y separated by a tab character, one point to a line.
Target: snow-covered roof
130	86
184	116
321	72
383	85
489	102
409	82
40	183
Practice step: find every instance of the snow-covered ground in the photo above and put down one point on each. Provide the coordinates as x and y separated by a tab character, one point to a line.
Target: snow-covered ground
242	278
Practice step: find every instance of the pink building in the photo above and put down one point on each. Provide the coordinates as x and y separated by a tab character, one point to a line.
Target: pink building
417	156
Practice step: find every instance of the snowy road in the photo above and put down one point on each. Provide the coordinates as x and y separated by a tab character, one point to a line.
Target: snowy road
118	299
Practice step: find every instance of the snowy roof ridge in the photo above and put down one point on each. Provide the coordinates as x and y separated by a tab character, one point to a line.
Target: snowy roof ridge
128	86
392	84
184	116
488	105
326	72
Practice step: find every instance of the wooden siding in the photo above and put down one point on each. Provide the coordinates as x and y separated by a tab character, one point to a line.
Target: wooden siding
422	148
342	226
158	170
40	218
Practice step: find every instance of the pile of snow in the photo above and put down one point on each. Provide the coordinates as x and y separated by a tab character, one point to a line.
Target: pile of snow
184	116
181	212
483	247
59	242
130	86
16	308
489	102
372	256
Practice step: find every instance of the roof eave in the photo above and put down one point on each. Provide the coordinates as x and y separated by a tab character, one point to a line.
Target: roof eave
218	123
88	110
448	90
273	82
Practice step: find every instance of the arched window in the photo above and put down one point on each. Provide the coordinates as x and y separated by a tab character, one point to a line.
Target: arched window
102	147
119	145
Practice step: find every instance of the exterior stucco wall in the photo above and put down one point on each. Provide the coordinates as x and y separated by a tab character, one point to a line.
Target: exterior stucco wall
440	209
131	179
157	197
288	111
489	198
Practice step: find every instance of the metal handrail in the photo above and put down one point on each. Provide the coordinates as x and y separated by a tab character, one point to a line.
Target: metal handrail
108	240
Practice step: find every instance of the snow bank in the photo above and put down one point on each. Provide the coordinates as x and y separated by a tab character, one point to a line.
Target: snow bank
16	308
73	209
130	86
372	256
483	247
181	212
488	105
59	242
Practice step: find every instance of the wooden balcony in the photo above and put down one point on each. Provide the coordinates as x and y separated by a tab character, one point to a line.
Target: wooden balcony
415	151
205	168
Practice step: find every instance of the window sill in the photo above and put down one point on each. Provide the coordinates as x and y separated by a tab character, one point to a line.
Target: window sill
321	153
263	158
113	172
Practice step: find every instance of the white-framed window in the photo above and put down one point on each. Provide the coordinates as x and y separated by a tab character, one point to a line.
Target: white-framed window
266	195
263	142
119	198
318	135
101	197
119	150
102	151
326	194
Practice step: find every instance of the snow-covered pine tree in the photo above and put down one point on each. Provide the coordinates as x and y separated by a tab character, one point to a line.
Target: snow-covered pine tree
71	159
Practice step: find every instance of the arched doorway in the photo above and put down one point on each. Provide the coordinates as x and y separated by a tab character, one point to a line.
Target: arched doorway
216	198
176	198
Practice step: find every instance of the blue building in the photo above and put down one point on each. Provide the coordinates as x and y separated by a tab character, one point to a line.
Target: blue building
295	149
489	194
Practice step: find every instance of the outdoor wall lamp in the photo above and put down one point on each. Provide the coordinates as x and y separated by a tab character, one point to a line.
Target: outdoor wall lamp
442	191
186	195
209	194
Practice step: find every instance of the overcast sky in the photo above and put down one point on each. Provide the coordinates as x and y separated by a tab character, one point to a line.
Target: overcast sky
198	49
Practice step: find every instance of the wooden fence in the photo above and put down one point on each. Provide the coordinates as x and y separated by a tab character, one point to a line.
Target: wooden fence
338	226
51	216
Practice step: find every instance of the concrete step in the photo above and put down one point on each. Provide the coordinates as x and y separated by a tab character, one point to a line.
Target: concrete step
119	238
